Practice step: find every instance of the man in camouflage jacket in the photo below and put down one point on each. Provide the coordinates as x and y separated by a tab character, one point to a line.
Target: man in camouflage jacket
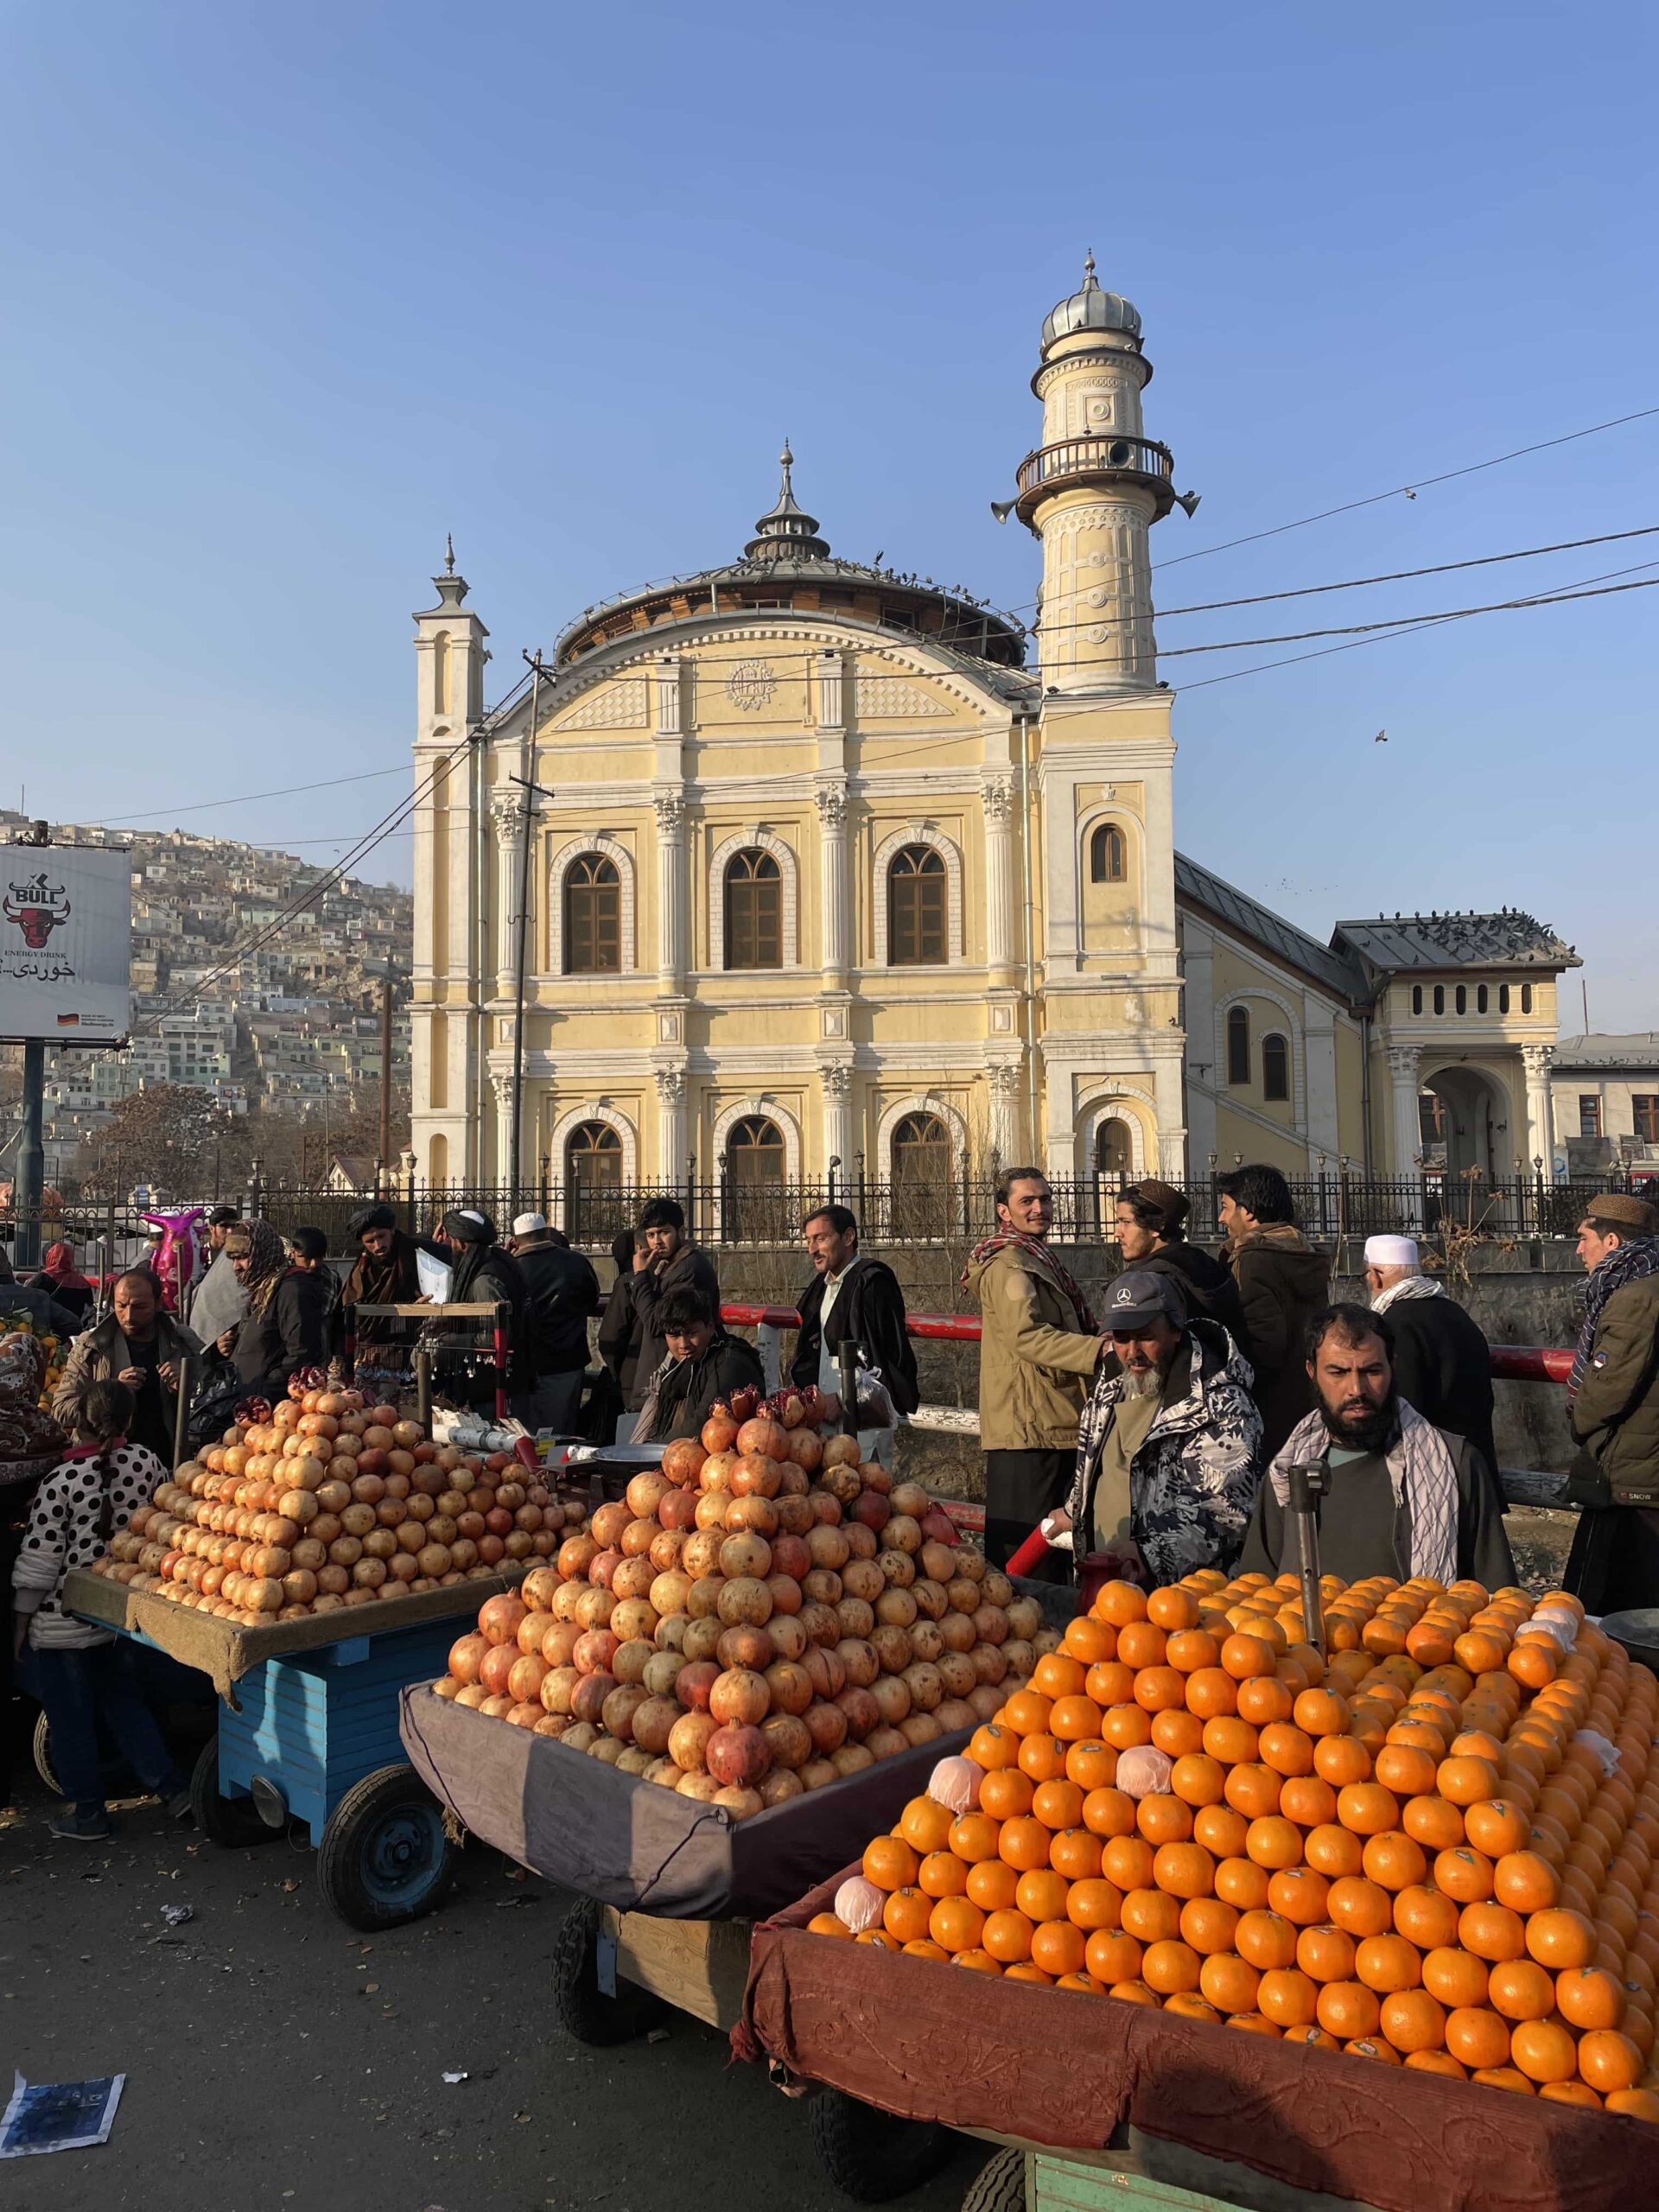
1170	1444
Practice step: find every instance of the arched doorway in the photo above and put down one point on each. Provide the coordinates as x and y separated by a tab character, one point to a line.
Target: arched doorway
1466	1141
1114	1151
594	1209
923	1178
753	1175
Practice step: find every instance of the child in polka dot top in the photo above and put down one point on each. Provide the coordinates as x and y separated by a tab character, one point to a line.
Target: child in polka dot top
80	1673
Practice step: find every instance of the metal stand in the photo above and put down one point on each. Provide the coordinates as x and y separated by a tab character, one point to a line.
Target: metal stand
182	1410
847	1359
1308	1485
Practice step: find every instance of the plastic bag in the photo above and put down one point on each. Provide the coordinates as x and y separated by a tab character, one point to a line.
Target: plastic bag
434	1277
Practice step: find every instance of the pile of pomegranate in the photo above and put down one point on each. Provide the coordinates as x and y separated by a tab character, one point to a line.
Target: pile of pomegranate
761	1618
324	1501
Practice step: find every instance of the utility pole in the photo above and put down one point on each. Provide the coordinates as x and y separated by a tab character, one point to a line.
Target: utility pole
30	1189
532	789
383	1181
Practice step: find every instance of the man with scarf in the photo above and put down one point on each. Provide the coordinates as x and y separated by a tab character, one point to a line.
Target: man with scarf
286	1325
483	1273
1282	1282
1442	1362
384	1273
1613	1397
61	1279
1039	1348
1400	1497
700	1364
141	1345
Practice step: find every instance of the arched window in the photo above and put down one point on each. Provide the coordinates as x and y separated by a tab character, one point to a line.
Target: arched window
1238	1044
754	1177
923	1177
592	916
915	908
1416	998
1440	998
1462	999
1480	998
1526	998
1114	1151
1106	854
593	1182
755	911
1275	1069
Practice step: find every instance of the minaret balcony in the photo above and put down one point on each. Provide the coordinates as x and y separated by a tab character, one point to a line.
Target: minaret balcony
1110	462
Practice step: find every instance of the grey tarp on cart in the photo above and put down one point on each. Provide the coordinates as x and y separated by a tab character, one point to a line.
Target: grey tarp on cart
635	1845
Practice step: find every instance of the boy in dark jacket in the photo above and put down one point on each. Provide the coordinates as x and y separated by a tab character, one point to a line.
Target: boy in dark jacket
1282	1283
669	1263
701	1363
1150	1225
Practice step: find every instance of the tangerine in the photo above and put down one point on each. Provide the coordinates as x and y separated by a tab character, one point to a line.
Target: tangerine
1075	1720
1042	1757
1456	1977
1184	1870
1326	1953
1347	2009
1093	1904
1635	2104
1394	1861
1127	1860
1387	1964
1209	1925
1110	1682
1436	2061
1176	1731
1089	1639
1478	2037
1152	1917
1264	1699
1173	1607
976	1962
1112	1956
1308	1801
1041	1894
1273	1842
1106	1812
890	1862
1007	1936
1120	1602
1413	2020
1027	1713
1285	1748
1368	1809
941	1874
1221	1830
1589	1997
1247	1656
1171	1967
1299	1895
1340	1760
906	1913
1287	1997
993	1745
1125	1725
1059	1946
991	1885
1608	2060
1466	1780
1212	1694
1056	1804
1141	1645
1524	1880
1076	1854
1228	1982
1241	1882
1023	1843
1493	1932
1266	1939
1426	1917
1495	1825
1360	1906
1432	1822
1252	1789
975	1836
1334	1850
1091	1764
1006	1794
954	1924
1163	1819
1464	1874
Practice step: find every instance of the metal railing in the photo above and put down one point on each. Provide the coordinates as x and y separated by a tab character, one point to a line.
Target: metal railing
1095	457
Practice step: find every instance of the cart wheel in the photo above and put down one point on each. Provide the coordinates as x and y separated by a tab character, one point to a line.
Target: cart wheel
384	1858
1000	2186
871	2155
230	1822
584	2011
42	1750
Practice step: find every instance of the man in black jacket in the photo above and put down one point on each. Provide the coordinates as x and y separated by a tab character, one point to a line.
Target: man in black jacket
851	1299
701	1363
1442	1362
1150	1226
667	1262
563	1293
484	1274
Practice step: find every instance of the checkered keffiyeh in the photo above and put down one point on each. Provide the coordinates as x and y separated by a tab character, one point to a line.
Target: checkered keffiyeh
1422	1472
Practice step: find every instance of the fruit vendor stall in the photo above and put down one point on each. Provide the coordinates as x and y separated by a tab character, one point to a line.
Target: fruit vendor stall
311	1564
1202	1915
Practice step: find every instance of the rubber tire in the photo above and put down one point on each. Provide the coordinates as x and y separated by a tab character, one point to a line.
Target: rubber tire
584	2012
391	1794
1000	2185
870	2155
231	1823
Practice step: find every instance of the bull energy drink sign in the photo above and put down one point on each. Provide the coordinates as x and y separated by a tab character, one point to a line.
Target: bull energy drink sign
66	941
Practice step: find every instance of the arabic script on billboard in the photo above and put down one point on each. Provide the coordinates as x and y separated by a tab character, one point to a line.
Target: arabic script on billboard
65	935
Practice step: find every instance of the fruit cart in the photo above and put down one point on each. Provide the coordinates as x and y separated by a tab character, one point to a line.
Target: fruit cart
308	1731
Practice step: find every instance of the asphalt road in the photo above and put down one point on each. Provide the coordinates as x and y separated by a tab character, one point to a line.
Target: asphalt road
276	2062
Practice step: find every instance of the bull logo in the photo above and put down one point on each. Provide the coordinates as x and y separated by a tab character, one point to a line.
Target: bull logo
38	908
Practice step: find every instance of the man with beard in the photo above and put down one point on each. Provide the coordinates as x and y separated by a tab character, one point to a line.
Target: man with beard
1613	1405
484	1273
384	1273
1442	1362
563	1293
1400	1497
1169	1448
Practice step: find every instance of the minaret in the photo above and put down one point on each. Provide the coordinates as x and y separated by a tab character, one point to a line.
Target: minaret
786	531
1091	492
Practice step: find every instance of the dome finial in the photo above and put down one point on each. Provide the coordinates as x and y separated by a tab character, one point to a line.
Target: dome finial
1088	283
449	553
786	533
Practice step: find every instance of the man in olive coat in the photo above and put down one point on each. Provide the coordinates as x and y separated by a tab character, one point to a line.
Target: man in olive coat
1614	1395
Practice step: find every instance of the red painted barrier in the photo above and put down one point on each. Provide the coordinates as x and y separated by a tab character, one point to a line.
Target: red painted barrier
1510	1363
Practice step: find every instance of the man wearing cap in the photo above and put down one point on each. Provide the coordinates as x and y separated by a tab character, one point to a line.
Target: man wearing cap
563	1292
1151	1232
668	1262
1169	1448
484	1273
1442	1362
1613	1397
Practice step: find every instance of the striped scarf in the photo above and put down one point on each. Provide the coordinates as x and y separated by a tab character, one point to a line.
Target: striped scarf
1422	1472
1038	1255
1629	1261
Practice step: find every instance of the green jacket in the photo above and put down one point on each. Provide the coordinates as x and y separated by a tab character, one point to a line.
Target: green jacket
1615	1414
1035	1367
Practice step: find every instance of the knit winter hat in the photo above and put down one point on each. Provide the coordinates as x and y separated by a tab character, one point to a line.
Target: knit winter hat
1171	1203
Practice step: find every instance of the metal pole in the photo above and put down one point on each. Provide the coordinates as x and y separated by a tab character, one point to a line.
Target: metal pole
522	931
422	1364
383	1181
31	1157
182	1410
847	1359
1306	1485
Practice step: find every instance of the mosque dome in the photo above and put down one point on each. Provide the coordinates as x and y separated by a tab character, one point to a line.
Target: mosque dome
1090	309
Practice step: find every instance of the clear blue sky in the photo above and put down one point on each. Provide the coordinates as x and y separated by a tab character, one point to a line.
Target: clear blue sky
289	292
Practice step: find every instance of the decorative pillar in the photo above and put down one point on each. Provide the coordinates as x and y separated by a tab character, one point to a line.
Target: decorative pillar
502	1085
671	892
667	682
507	808
1537	1060
831	691
832	863
671	1124
1407	1118
837	1083
998	878
1005	1113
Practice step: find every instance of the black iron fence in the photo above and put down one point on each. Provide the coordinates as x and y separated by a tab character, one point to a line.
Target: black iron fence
736	1211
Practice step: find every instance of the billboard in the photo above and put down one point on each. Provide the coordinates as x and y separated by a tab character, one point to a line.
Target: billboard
66	943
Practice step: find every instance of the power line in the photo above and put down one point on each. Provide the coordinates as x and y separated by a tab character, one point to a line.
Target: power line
247	798
1418	483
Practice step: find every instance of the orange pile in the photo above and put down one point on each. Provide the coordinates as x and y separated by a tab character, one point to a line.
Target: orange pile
1411	1853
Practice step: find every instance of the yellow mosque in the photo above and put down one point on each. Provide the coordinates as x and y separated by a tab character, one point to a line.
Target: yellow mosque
831	872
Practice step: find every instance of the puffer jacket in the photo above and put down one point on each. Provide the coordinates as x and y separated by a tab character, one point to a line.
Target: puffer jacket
1616	1413
1194	1482
1034	1365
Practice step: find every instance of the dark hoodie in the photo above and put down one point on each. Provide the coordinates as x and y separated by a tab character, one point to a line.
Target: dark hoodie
1208	1292
1282	1283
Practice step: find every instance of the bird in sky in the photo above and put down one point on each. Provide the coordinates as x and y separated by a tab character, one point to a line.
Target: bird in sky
1382	738
1410	495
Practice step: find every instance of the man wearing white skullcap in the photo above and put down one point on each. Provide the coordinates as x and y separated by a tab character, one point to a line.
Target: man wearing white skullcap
563	1293
1442	1363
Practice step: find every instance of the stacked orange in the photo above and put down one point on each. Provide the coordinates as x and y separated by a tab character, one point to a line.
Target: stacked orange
1440	1848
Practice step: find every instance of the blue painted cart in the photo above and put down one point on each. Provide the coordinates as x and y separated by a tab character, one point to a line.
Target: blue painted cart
311	1735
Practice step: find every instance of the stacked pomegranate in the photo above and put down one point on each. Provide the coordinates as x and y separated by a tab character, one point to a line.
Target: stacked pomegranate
762	1618
323	1502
